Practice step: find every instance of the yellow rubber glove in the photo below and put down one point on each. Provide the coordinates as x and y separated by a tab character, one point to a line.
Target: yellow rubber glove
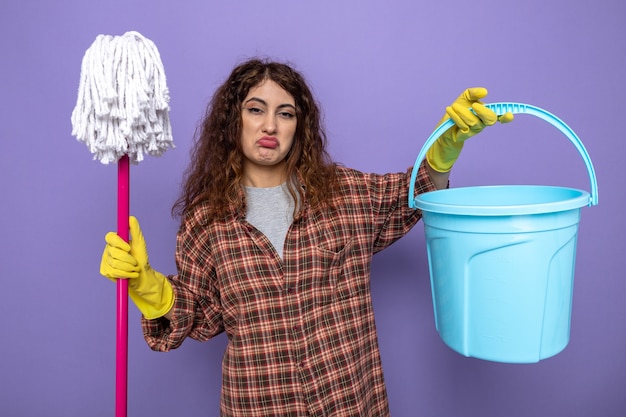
445	151
150	290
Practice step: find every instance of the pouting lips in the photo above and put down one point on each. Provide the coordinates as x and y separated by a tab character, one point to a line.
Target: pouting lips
268	142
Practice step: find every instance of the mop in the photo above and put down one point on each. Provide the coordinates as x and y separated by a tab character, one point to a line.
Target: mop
121	114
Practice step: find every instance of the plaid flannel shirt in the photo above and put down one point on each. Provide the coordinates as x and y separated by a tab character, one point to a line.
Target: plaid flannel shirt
301	334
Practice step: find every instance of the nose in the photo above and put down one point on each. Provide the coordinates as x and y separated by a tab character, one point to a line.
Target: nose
269	124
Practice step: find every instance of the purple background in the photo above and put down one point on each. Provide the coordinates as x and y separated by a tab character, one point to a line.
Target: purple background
383	72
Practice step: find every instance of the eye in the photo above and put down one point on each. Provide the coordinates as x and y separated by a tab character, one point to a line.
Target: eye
254	110
286	115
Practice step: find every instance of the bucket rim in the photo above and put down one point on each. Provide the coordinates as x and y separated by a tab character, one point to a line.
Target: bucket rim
425	202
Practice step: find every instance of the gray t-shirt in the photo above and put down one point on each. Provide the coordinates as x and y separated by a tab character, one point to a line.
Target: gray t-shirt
270	210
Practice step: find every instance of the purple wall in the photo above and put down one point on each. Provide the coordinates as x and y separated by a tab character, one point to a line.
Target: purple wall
384	72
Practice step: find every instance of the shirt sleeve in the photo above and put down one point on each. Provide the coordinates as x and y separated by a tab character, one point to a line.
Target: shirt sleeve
197	310
390	203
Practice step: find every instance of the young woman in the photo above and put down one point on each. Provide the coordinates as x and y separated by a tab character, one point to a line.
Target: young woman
275	247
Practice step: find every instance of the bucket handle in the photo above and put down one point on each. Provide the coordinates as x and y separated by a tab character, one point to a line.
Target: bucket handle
515	108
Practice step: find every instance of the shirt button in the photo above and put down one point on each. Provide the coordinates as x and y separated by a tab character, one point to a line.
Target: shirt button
291	290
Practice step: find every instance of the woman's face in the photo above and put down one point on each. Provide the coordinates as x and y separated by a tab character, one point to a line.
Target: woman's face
269	125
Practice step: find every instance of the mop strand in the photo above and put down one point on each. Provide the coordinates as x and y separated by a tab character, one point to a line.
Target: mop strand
122	106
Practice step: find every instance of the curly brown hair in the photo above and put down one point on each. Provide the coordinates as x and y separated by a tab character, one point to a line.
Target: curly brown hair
216	170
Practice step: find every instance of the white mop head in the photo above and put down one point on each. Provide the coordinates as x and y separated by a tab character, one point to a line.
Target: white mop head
122	107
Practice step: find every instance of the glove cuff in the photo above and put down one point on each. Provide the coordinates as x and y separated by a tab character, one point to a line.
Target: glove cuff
442	156
158	302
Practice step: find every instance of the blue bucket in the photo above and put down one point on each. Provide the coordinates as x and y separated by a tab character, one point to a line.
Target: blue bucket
502	258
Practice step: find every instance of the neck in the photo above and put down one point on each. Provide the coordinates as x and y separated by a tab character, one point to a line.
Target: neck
262	176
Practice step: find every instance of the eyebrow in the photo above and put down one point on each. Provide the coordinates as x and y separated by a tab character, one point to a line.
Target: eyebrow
260	100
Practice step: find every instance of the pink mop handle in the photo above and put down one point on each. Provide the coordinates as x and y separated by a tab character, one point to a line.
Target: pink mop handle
121	363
